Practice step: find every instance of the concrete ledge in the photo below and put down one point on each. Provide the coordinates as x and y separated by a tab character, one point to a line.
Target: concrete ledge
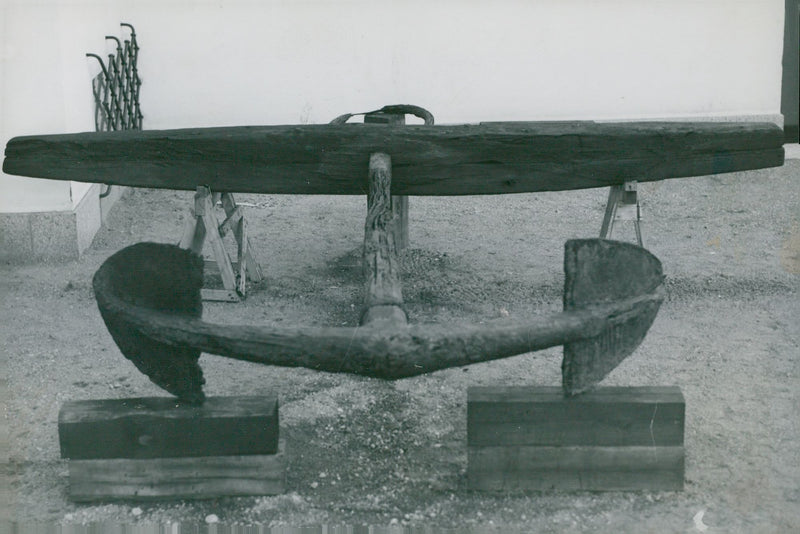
50	235
792	150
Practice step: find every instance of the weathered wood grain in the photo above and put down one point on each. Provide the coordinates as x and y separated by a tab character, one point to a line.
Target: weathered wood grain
160	427
383	292
151	479
606	417
612	438
526	468
399	203
491	158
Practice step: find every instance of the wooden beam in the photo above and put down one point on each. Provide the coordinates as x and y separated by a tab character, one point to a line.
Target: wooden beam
152	479
610	439
161	427
427	160
511	469
605	417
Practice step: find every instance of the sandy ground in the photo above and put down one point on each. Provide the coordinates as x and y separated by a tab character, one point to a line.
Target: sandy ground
393	454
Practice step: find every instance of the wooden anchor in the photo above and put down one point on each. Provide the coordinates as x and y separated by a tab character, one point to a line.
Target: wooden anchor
572	437
149	297
149	294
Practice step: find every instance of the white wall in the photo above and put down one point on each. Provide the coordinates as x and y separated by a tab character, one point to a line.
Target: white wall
228	62
308	61
46	85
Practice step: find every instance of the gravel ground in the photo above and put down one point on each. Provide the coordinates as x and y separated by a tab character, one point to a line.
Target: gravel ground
392	455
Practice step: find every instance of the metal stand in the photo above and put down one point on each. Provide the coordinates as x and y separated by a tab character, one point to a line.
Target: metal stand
623	205
204	224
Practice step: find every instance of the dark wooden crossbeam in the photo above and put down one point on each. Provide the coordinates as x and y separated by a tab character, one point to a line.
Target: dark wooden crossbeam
489	158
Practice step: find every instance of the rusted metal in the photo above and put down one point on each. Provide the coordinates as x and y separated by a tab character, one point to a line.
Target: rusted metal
116	87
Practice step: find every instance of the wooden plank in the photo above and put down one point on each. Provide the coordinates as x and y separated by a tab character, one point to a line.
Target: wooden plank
617	459
613	438
428	160
552	394
242	252
575	468
542	416
230	222
205	477
159	427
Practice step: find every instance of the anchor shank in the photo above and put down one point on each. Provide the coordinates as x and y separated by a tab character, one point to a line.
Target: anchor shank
383	294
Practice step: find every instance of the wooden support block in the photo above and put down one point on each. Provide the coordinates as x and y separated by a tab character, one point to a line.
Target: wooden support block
534	438
205	477
162	427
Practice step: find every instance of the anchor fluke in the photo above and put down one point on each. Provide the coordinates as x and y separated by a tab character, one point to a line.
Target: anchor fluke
161	278
598	273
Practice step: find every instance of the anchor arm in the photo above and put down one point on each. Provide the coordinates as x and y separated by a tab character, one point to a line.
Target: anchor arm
149	296
387	353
